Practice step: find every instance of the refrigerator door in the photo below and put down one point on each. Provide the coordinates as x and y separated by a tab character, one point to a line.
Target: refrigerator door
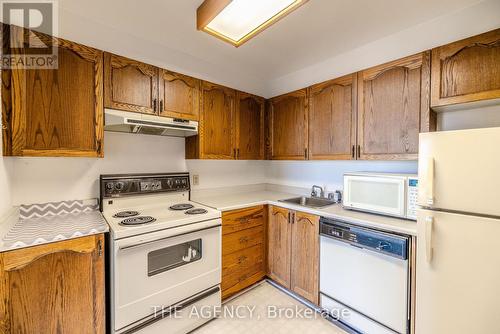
460	171
458	274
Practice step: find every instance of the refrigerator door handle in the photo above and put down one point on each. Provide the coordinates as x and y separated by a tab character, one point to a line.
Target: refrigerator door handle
429	184
429	223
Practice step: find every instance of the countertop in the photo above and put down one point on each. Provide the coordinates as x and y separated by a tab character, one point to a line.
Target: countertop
237	200
36	224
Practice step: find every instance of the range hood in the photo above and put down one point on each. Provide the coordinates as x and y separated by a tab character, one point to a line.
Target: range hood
129	122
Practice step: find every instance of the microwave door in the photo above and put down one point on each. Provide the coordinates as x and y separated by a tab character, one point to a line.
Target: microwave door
376	194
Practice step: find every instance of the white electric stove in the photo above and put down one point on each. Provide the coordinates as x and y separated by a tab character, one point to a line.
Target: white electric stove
165	253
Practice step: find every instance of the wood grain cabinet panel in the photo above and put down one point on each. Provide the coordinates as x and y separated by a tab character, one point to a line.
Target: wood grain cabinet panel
467	70
55	112
243	248
179	95
305	256
54	288
288	126
250	126
332	119
393	108
130	85
279	245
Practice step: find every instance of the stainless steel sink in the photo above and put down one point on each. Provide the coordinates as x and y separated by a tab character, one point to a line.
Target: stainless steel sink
312	202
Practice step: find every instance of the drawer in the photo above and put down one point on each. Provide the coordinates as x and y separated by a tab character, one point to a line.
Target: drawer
243	239
237	220
242	279
242	260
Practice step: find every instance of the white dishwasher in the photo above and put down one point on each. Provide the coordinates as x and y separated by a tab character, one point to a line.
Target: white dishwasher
365	274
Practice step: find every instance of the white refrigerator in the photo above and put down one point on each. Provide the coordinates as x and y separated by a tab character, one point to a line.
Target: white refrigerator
458	245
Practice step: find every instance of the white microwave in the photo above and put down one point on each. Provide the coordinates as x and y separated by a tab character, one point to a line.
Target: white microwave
382	193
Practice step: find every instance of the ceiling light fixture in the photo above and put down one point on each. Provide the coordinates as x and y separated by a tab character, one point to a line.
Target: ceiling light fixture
236	21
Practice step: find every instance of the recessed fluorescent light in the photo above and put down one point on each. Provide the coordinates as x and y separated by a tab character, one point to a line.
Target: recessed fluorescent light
236	21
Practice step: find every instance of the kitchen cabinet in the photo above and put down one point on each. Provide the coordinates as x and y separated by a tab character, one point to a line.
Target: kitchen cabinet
466	71
250	111
293	251
130	85
243	248
332	119
393	108
54	112
288	130
54	288
179	95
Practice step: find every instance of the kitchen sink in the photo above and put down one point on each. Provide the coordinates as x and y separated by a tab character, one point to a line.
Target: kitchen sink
312	202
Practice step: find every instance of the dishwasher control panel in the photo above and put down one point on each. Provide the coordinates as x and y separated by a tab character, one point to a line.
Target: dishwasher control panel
381	242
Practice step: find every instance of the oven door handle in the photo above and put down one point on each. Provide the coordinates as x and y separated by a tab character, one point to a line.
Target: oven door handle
165	238
182	305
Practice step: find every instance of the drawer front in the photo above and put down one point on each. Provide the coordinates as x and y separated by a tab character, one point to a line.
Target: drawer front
237	220
242	279
243	239
242	260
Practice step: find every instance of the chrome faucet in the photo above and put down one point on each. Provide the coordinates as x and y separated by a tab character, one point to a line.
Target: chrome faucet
315	194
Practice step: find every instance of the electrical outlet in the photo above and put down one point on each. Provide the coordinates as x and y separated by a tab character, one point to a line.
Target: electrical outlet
196	179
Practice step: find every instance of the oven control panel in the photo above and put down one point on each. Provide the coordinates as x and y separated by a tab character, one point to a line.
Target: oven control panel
134	184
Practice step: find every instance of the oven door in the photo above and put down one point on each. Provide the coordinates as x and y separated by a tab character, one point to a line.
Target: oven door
378	194
162	268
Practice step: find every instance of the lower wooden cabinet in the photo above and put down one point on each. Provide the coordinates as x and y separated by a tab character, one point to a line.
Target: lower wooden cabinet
243	248
54	288
293	251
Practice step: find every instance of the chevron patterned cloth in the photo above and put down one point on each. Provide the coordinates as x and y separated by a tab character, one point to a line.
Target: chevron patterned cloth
55	221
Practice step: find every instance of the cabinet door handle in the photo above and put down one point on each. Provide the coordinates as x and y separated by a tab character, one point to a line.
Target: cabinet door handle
305	153
243	240
161	106
237	153
353	151
154	105
99	248
359	151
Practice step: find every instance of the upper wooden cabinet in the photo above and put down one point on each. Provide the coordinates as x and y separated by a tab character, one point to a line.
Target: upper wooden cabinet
249	126
467	70
393	107
332	119
130	85
54	288
179	95
288	130
55	112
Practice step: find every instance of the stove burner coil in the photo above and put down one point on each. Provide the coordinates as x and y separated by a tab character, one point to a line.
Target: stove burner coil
126	214
196	211
137	221
181	207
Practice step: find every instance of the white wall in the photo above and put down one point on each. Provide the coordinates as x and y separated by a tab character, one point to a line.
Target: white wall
328	174
37	180
483	117
467	22
5	187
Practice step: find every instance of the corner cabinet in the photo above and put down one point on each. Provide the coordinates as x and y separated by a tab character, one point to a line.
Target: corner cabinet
231	125
250	111
54	112
288	130
54	288
332	119
393	108
466	71
293	251
130	85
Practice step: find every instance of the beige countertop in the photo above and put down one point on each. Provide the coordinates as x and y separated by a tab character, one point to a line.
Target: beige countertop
240	199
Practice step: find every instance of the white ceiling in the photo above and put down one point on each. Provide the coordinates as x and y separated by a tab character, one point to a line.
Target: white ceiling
320	30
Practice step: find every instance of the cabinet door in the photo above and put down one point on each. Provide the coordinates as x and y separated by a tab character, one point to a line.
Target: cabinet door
467	70
332	123
217	122
250	127
288	126
305	256
55	112
130	85
54	288
179	95
279	245
393	108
